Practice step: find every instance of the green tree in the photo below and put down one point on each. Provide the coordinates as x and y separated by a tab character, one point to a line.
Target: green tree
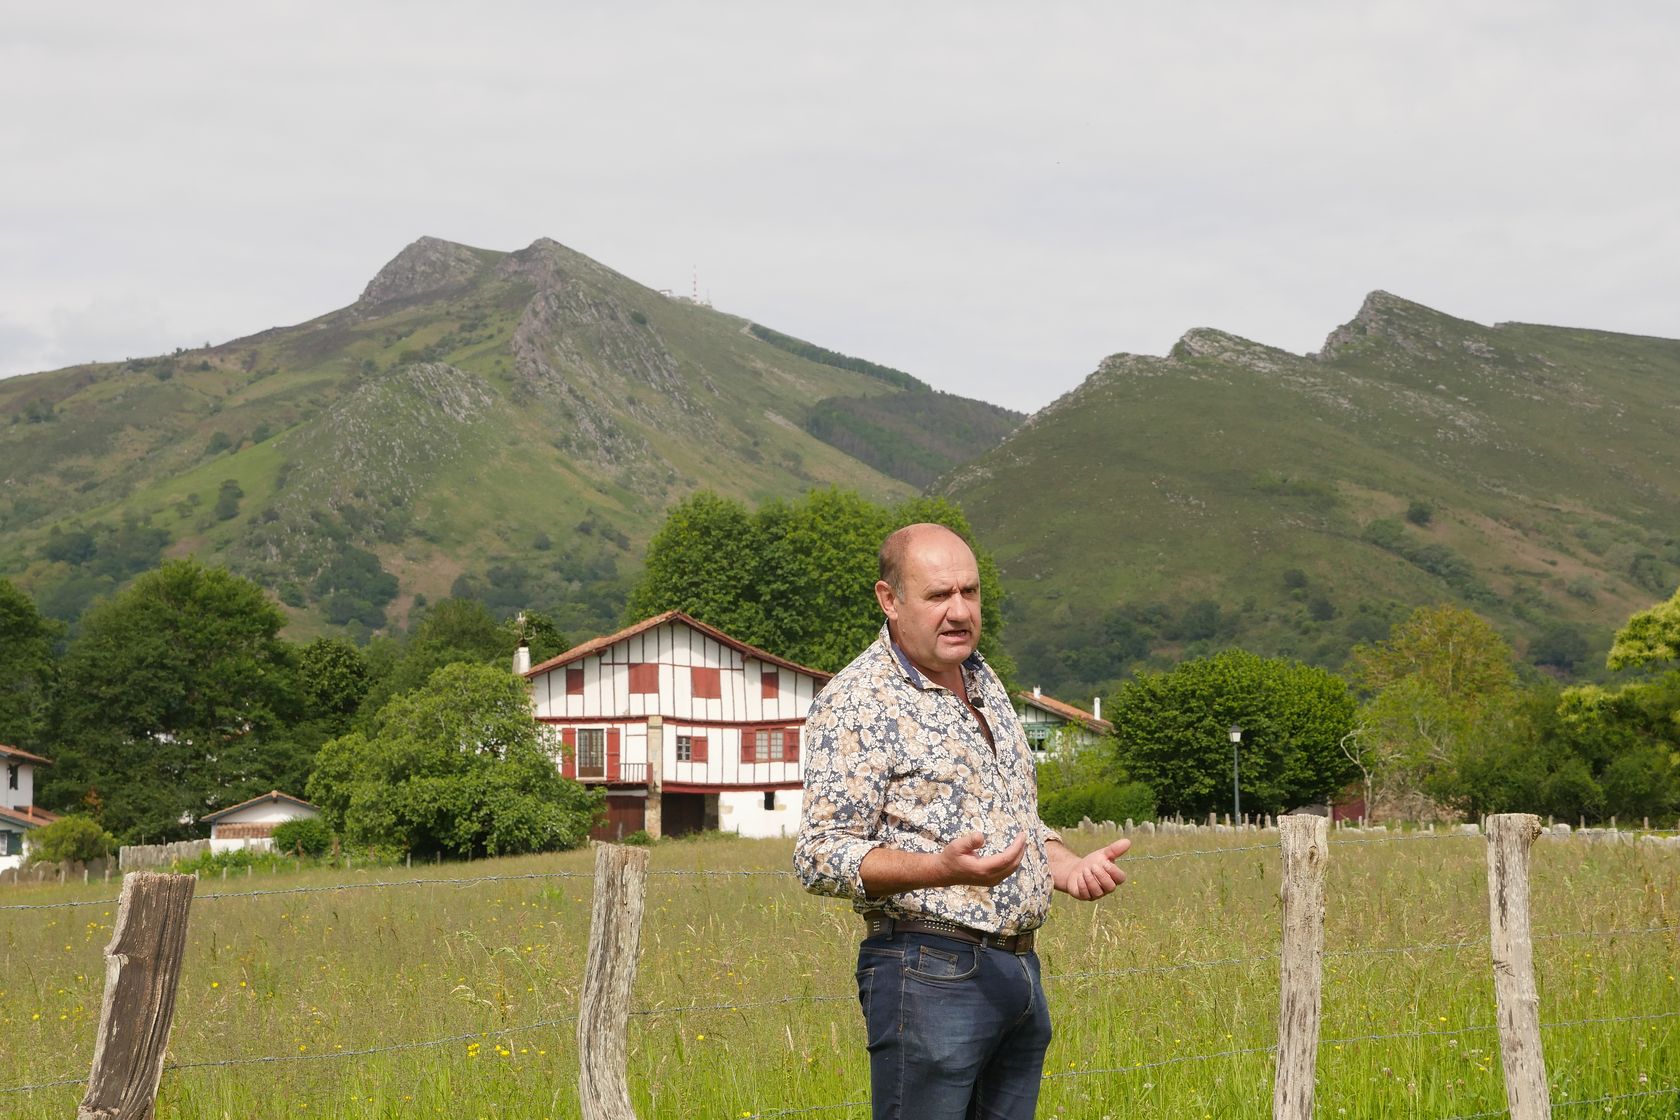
1649	637
794	578
174	699
1443	695
74	837
1173	729
27	666
457	766
450	631
333	679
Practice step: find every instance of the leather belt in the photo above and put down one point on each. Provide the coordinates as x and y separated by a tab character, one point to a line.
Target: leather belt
881	924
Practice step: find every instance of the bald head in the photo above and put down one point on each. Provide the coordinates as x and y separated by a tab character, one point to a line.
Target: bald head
896	548
930	592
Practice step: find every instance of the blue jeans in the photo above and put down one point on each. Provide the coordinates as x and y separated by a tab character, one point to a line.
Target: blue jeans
956	1031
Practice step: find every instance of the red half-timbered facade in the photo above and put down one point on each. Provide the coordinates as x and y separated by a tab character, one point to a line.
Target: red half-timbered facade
685	726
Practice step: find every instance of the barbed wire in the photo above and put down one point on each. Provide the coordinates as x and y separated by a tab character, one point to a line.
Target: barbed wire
44	1085
324	1055
655	1012
1556	1105
805	1111
1142	1066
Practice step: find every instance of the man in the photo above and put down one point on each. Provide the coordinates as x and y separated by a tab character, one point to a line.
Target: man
921	806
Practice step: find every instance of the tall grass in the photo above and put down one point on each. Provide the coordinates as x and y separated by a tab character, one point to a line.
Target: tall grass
1143	987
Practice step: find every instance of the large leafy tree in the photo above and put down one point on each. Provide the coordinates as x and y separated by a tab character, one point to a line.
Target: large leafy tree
1443	705
1173	731
457	766
175	699
1649	637
794	578
26	666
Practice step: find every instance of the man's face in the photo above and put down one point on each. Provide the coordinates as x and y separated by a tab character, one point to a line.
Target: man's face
937	616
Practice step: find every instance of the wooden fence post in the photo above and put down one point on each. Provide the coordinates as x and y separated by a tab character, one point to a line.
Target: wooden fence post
1306	852
142	967
1510	835
615	940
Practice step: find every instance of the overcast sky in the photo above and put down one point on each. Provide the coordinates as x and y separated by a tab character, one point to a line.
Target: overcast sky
990	196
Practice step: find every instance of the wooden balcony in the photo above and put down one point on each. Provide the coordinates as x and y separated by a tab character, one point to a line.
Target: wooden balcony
629	774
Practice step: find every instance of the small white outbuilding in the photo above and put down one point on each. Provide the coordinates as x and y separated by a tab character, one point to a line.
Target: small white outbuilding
250	824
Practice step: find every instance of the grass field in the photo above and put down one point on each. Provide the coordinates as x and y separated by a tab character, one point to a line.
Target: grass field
1143	988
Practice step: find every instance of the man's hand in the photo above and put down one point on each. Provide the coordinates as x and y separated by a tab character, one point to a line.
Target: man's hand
1087	878
887	871
963	866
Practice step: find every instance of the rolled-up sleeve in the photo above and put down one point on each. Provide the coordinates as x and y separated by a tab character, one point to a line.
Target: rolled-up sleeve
846	774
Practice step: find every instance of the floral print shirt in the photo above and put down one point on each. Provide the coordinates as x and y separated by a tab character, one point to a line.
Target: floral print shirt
892	759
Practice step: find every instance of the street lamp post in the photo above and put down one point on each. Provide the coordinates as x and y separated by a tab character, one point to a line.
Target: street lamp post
1236	788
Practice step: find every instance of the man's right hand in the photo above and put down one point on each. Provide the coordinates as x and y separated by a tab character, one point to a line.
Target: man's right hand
887	871
963	866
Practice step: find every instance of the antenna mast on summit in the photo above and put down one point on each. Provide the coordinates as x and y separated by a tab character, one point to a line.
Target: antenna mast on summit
696	295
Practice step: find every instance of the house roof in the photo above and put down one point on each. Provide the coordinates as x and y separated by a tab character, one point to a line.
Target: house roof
1065	711
272	795
28	816
15	752
596	645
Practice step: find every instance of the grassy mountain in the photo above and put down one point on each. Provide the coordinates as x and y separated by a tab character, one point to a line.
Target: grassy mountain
1232	493
510	425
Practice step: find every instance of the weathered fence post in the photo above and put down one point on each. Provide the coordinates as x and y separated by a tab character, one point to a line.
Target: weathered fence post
615	940
1510	836
142	967
1306	852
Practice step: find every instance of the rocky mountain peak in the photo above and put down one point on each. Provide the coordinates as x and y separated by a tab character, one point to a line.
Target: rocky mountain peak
427	265
1398	322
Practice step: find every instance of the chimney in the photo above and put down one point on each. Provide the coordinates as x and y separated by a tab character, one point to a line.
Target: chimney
1096	707
1036	692
521	659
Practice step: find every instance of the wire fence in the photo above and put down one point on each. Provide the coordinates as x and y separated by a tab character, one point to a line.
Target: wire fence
741	1007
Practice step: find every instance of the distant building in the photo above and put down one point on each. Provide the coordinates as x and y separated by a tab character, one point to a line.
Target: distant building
686	727
18	815
1042	716
250	824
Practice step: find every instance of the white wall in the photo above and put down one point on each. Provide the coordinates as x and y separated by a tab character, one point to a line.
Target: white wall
744	812
24	795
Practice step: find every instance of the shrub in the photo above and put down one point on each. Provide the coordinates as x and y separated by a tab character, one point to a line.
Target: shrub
1100	801
1420	513
70	838
307	836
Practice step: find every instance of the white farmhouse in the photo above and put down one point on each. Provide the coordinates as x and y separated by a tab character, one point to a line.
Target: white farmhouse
18	814
250	824
1043	716
686	727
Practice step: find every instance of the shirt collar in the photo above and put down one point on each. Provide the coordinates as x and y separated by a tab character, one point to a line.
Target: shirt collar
971	664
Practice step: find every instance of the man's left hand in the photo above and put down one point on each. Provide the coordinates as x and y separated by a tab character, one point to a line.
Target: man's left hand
1090	877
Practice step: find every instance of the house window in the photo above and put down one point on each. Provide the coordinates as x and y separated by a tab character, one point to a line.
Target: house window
12	775
769	800
592	752
1037	736
644	677
574	682
11	843
705	684
761	746
772	684
685	748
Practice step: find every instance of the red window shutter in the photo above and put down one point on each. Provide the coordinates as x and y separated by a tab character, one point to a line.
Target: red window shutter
574	682
790	744
705	684
568	756
697	748
749	745
613	741
644	677
772	682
